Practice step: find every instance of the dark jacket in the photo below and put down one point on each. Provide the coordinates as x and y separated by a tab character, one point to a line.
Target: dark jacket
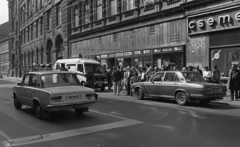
234	80
116	76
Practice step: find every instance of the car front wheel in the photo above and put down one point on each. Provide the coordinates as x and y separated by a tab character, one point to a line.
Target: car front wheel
182	98
139	94
17	105
38	111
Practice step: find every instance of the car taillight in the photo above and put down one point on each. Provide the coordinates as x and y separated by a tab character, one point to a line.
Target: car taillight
56	98
208	90
90	96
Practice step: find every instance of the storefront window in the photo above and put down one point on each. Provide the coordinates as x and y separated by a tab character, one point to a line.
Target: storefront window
224	58
147	61
139	62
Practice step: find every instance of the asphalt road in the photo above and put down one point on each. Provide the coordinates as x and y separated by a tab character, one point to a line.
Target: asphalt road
120	121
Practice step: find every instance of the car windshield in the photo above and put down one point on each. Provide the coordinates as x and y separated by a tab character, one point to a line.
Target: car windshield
96	68
193	77
59	79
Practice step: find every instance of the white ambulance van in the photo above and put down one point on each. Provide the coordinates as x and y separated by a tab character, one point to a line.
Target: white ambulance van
78	65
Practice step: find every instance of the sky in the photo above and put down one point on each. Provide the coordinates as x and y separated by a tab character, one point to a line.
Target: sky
3	11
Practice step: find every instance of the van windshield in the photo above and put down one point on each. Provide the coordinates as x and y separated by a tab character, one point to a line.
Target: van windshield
96	68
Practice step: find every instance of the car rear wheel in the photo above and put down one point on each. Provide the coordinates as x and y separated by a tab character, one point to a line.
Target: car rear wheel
79	111
204	102
139	94
182	98
38	111
17	105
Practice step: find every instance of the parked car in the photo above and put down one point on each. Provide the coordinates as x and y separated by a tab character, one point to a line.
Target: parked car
1	75
49	91
184	87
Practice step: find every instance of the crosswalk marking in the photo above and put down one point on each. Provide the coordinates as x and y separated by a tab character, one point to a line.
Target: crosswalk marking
68	133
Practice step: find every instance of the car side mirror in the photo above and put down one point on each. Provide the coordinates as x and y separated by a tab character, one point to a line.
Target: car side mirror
19	84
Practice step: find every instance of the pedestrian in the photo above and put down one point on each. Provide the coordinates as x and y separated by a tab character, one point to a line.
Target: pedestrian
109	78
234	82
90	77
133	80
216	75
199	71
207	74
143	75
116	77
148	71
129	75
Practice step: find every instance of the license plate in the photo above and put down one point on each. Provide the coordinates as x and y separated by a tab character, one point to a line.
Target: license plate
73	97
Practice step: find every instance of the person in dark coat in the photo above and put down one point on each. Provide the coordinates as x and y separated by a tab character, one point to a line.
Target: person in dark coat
109	78
90	77
116	77
234	82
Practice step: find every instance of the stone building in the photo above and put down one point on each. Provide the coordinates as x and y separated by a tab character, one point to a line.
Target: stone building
40	28
129	32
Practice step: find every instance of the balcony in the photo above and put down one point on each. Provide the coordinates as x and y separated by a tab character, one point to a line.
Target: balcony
168	4
86	27
98	24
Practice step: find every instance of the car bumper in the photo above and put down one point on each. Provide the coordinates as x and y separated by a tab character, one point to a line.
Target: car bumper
206	97
59	107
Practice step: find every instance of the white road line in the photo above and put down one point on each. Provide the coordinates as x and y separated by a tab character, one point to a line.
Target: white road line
69	133
4	135
108	114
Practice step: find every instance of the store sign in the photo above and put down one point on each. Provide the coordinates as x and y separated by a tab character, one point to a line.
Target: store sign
228	19
127	53
147	51
103	56
119	54
177	48
167	49
111	55
137	52
157	50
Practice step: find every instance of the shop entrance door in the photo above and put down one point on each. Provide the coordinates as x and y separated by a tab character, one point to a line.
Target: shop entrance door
111	63
127	62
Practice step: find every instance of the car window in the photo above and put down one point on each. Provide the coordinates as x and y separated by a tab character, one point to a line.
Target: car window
193	77
59	79
158	77
176	78
80	68
33	81
169	77
26	80
71	67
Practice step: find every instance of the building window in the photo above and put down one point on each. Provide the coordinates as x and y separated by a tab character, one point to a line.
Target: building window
27	30
26	35
86	13
113	7
58	15
75	22
41	26
34	30
37	28
41	54
37	56
31	31
99	9
130	4
49	20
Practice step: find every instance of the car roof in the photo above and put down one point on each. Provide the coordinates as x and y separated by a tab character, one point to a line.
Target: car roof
78	60
177	71
48	72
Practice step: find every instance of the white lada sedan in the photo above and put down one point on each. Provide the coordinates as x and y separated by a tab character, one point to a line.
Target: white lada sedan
49	91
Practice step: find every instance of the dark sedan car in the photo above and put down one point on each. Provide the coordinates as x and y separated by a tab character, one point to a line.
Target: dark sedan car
184	87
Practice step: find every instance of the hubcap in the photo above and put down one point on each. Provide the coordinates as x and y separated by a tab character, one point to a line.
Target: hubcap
181	98
138	94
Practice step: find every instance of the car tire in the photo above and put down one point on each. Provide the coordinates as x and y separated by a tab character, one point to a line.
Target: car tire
182	98
79	111
17	105
103	88
204	102
38	111
139	94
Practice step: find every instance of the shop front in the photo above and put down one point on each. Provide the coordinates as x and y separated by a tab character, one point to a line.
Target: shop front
142	58
166	58
222	30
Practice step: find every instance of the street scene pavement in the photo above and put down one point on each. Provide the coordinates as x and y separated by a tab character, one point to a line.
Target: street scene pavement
117	121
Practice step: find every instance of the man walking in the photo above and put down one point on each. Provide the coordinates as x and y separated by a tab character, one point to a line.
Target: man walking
116	77
216	75
234	84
